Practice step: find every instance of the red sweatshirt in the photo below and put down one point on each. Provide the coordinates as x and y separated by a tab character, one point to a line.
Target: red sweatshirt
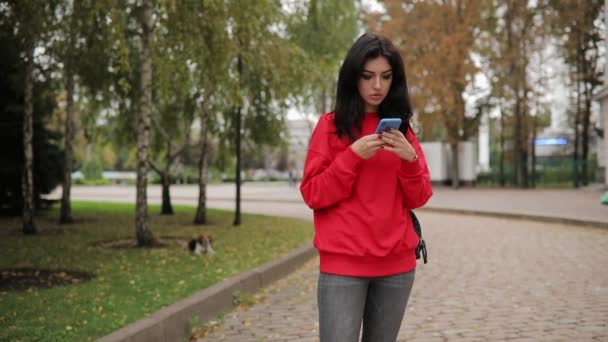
362	226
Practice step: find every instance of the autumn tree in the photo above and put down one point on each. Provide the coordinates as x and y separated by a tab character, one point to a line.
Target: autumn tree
512	37
437	39
575	24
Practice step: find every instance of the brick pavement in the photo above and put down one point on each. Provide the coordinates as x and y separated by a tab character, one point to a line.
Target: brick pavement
487	279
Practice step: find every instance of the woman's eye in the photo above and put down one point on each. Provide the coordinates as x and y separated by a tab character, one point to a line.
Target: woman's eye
387	77
367	77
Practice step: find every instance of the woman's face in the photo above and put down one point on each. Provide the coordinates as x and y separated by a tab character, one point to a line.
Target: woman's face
374	83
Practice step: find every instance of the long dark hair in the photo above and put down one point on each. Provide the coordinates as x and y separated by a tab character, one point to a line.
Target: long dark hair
350	107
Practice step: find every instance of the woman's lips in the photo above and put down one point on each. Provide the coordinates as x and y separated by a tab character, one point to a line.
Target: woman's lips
376	97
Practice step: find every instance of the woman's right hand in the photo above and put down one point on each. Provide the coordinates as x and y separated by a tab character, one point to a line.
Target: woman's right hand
367	146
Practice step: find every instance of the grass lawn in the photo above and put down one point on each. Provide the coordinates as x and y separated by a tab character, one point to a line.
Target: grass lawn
128	284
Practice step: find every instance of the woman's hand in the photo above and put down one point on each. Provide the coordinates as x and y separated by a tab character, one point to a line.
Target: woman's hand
367	146
397	143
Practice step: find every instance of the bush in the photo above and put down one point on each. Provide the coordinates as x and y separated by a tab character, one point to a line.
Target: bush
188	176
549	172
92	169
93	182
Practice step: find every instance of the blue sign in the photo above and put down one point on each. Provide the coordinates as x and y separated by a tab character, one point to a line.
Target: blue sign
551	141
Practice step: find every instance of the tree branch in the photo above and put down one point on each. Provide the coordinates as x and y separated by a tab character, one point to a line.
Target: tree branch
155	167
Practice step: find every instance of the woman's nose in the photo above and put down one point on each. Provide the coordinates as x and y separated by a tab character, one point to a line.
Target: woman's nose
376	83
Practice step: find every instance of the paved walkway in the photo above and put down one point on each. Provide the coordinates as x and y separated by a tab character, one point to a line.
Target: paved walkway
488	279
277	198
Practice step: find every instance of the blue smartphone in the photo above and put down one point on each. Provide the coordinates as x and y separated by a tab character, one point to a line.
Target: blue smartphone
388	123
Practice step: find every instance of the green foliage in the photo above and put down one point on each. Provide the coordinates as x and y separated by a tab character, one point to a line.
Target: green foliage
93	182
323	44
129	284
550	172
187	176
195	53
92	169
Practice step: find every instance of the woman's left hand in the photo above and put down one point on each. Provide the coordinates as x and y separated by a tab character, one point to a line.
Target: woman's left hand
396	142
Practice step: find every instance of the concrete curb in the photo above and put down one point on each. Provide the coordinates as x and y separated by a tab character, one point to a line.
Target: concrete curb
173	322
518	216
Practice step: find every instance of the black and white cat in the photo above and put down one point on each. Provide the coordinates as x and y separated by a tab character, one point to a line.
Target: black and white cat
202	245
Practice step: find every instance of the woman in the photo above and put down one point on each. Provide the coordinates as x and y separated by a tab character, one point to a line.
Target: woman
361	186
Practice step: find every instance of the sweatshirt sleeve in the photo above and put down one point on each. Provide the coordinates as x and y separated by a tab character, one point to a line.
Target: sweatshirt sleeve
414	178
327	180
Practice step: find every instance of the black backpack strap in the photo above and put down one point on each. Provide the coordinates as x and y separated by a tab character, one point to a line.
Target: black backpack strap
421	248
416	224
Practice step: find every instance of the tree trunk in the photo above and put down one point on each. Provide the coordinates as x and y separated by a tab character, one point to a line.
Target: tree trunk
27	180
165	177
585	143
518	140
501	165
577	116
586	122
455	166
517	132
66	209
237	213
513	83
525	114
460	133
533	150
167	208
201	210
142	224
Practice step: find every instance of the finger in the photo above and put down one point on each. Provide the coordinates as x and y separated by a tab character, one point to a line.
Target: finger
400	140
390	148
371	137
389	137
376	143
390	140
395	134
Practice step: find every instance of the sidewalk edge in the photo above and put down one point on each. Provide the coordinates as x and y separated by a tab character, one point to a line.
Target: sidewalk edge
517	216
172	323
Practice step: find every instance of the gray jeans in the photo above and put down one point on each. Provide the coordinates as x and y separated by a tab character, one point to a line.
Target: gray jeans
346	302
